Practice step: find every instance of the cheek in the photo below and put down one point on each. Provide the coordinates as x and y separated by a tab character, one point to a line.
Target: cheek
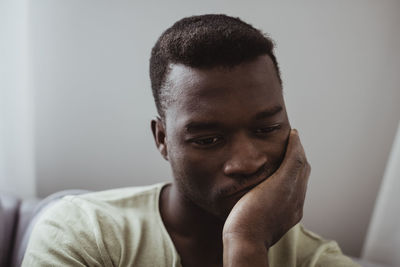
275	147
193	169
196	179
282	144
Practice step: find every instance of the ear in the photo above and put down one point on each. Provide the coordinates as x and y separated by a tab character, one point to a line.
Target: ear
159	134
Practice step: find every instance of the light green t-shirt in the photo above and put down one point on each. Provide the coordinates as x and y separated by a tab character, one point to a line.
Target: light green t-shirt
123	227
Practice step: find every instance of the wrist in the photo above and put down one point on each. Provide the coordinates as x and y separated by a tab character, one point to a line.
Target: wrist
255	239
243	251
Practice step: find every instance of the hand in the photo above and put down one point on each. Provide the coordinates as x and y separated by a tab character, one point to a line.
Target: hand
268	211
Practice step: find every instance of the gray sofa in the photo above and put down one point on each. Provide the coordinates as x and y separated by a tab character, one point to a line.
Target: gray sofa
17	218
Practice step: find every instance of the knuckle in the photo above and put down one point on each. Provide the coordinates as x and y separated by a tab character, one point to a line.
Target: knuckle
300	161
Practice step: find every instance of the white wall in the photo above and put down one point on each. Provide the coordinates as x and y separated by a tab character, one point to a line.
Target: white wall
340	65
16	112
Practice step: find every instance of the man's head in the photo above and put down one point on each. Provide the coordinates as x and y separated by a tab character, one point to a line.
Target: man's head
204	42
223	124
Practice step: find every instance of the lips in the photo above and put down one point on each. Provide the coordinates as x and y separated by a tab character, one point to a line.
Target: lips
241	192
241	188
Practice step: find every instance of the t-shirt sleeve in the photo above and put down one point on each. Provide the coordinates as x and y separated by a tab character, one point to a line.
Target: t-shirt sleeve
64	236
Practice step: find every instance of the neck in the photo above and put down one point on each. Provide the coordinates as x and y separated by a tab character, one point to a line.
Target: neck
186	218
189	225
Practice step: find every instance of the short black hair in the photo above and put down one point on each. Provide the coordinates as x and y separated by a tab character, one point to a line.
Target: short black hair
206	41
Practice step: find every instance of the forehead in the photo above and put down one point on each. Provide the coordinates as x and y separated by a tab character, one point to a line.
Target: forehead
219	92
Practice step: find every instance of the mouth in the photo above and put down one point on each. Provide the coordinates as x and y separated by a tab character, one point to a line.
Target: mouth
241	192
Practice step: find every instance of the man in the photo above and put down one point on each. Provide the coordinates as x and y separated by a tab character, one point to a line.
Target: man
240	172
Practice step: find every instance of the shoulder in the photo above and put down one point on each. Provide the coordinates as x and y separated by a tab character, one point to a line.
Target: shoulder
318	251
305	248
91	227
60	237
117	200
102	207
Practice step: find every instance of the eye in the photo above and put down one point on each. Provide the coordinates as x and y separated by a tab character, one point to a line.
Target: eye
209	141
269	129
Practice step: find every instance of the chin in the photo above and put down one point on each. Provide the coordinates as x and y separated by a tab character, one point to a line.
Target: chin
223	211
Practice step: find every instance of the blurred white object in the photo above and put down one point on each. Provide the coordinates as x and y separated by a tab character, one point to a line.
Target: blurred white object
382	243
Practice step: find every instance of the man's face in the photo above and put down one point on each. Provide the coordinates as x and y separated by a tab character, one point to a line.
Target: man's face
226	131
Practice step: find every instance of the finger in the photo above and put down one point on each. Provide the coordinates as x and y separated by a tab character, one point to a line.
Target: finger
295	158
302	179
303	182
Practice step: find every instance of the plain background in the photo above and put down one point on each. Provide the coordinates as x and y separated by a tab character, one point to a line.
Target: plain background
76	101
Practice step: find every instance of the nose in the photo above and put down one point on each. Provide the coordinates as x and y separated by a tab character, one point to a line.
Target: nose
245	157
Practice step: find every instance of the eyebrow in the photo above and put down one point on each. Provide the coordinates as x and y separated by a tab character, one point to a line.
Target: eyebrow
269	112
193	126
201	126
